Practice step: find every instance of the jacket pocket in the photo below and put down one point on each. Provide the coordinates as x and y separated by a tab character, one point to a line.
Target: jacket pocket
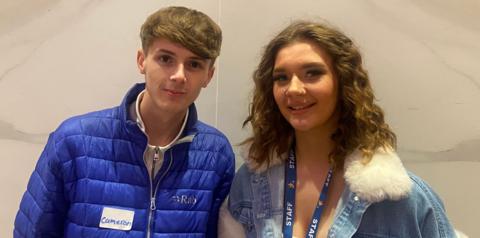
243	214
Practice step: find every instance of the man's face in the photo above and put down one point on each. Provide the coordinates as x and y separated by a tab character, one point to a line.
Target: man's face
174	76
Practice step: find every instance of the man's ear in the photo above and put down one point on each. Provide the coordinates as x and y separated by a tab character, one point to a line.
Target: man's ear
141	61
211	71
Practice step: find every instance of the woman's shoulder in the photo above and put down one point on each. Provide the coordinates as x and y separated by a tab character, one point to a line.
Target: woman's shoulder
241	189
243	176
249	183
424	195
420	213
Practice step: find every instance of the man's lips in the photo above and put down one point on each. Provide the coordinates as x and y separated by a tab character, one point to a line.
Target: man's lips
174	92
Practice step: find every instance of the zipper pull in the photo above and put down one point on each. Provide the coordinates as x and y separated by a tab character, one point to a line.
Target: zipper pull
152	204
155	156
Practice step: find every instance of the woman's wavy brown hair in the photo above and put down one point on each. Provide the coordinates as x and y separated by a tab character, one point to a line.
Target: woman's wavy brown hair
361	122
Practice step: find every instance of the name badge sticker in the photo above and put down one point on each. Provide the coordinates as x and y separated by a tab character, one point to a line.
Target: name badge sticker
117	219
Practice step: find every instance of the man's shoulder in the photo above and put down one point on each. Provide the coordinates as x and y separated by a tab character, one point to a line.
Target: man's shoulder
210	139
211	134
205	128
88	123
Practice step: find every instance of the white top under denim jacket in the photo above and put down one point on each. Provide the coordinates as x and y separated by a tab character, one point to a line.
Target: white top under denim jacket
380	199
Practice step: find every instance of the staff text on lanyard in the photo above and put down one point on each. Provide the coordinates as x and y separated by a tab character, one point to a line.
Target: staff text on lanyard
289	199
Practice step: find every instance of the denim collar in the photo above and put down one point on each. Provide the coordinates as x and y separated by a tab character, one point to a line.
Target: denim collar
383	177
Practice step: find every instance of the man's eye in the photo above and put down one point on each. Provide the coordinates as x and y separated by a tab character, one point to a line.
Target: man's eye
196	65
165	59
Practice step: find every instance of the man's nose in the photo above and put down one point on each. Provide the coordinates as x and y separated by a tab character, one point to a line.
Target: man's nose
179	74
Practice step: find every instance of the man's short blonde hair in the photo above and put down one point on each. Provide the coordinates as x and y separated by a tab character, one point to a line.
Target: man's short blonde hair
190	28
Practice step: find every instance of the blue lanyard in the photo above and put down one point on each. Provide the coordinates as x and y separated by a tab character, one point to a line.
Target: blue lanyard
289	199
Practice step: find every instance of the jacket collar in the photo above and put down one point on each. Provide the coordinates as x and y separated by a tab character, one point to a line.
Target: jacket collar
131	96
381	178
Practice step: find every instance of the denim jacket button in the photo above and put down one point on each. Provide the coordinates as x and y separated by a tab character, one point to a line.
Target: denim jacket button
356	198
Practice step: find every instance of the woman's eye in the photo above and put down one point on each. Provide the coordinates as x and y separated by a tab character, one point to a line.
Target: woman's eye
279	77
313	73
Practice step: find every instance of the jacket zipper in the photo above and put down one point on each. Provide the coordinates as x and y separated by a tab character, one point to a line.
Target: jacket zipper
153	193
152	178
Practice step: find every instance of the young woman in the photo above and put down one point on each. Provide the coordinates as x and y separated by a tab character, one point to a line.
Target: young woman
321	161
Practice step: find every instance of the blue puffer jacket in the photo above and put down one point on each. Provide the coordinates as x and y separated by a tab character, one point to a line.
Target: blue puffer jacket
95	161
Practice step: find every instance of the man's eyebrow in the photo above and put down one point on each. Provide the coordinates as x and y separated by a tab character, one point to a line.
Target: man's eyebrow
198	58
166	51
193	57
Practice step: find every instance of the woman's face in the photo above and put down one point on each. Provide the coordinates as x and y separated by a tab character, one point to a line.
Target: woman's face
305	87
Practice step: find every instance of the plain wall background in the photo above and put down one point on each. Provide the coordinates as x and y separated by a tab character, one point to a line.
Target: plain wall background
61	58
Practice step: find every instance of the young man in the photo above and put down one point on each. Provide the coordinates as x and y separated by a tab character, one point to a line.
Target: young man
147	168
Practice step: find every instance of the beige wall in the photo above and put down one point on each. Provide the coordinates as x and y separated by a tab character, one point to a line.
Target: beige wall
62	58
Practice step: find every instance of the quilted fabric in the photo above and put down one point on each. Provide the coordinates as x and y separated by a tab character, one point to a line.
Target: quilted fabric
95	160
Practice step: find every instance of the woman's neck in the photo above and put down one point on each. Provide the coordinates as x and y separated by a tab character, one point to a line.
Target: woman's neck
313	147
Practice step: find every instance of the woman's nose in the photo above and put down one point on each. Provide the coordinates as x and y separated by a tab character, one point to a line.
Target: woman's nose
295	87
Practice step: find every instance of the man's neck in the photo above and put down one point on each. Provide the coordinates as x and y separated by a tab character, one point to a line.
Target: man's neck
162	131
161	127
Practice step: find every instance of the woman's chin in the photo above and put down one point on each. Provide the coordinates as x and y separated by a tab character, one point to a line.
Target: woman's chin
302	126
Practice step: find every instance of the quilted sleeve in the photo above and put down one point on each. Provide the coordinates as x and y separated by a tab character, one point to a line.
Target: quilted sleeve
222	190
43	207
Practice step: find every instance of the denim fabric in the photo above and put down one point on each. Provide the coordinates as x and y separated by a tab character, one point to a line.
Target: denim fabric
256	201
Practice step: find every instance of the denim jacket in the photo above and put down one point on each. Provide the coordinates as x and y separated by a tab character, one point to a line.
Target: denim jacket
380	199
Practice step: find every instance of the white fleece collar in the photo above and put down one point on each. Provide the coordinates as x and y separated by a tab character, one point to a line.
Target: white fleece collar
383	177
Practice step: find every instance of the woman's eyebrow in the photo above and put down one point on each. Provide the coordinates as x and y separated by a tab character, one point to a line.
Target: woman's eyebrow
314	65
304	66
